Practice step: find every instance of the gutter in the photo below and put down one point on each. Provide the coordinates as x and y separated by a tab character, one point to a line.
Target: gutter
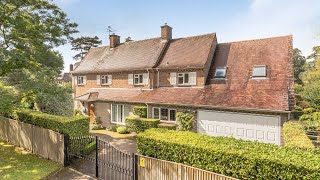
199	106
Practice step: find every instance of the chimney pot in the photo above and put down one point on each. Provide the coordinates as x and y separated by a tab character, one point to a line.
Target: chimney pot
166	32
114	40
71	67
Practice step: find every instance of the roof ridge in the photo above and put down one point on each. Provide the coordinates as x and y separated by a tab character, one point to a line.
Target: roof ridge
195	36
258	39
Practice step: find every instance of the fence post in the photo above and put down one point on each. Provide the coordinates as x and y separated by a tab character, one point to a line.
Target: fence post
66	150
135	158
97	161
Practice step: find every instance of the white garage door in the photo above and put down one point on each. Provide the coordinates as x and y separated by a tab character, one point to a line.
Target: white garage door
261	128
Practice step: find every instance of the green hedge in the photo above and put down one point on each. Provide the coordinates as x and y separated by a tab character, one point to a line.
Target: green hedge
137	124
229	156
294	136
73	126
140	111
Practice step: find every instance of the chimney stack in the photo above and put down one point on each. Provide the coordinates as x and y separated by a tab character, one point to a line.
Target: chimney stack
114	40
71	67
166	32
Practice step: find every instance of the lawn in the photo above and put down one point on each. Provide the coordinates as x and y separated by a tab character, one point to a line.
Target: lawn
19	164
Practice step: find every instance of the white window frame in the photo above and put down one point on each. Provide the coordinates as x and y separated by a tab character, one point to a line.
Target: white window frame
139	77
169	117
80	78
258	76
220	77
123	115
104	77
183	76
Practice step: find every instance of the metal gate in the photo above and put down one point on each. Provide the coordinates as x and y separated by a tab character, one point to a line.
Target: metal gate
110	163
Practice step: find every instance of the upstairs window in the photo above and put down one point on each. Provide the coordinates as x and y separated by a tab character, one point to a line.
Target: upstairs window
81	80
104	79
138	79
259	71
220	72
183	78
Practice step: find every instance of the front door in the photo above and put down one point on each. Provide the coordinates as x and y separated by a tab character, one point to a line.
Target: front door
91	112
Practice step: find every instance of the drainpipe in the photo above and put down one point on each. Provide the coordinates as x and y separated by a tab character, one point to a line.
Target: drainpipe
147	110
149	80
158	78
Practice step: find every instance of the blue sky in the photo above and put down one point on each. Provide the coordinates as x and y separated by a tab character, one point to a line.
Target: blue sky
232	20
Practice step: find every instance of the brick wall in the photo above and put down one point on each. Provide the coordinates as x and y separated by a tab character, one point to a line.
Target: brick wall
164	80
119	80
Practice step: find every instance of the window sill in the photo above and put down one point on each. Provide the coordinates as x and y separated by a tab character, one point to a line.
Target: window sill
105	84
168	122
259	78
117	123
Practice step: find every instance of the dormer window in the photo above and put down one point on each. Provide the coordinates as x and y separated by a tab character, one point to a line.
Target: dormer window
183	78
220	72
259	71
138	79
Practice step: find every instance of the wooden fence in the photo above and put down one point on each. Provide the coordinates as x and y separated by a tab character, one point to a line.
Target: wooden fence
314	136
43	142
151	168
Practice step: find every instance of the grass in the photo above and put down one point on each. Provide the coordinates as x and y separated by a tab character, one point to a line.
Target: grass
114	134
19	164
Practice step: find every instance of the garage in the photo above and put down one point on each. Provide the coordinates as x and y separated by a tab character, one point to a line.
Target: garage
255	127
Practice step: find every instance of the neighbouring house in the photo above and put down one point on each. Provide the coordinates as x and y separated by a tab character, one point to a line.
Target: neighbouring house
241	89
65	77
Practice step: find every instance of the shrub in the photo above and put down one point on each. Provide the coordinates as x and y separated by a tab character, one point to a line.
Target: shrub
112	128
138	124
140	111
185	120
89	148
97	124
168	126
73	126
122	130
294	136
229	156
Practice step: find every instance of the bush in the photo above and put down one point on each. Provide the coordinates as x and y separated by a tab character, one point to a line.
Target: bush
122	130
138	124
73	126
294	136
112	128
168	126
140	111
89	148
185	120
237	158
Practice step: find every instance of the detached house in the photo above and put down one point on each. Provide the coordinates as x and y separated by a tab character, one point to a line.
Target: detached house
241	89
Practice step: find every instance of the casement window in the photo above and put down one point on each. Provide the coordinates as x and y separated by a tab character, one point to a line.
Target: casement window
81	80
259	71
138	79
164	114
119	113
220	72
104	79
188	78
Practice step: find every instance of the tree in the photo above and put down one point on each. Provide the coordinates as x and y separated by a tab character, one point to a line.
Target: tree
83	44
9	100
39	91
299	61
29	30
311	80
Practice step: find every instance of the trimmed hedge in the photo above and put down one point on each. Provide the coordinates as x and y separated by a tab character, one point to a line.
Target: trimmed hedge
294	136
140	111
237	158
73	126
138	124
122	130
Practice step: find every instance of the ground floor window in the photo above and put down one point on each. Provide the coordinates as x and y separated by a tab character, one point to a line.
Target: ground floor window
119	113
164	114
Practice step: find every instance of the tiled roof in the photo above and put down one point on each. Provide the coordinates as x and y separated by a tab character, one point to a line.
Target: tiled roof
133	55
140	55
188	52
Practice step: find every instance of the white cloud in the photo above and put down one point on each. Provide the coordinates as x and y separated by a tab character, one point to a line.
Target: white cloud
267	18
